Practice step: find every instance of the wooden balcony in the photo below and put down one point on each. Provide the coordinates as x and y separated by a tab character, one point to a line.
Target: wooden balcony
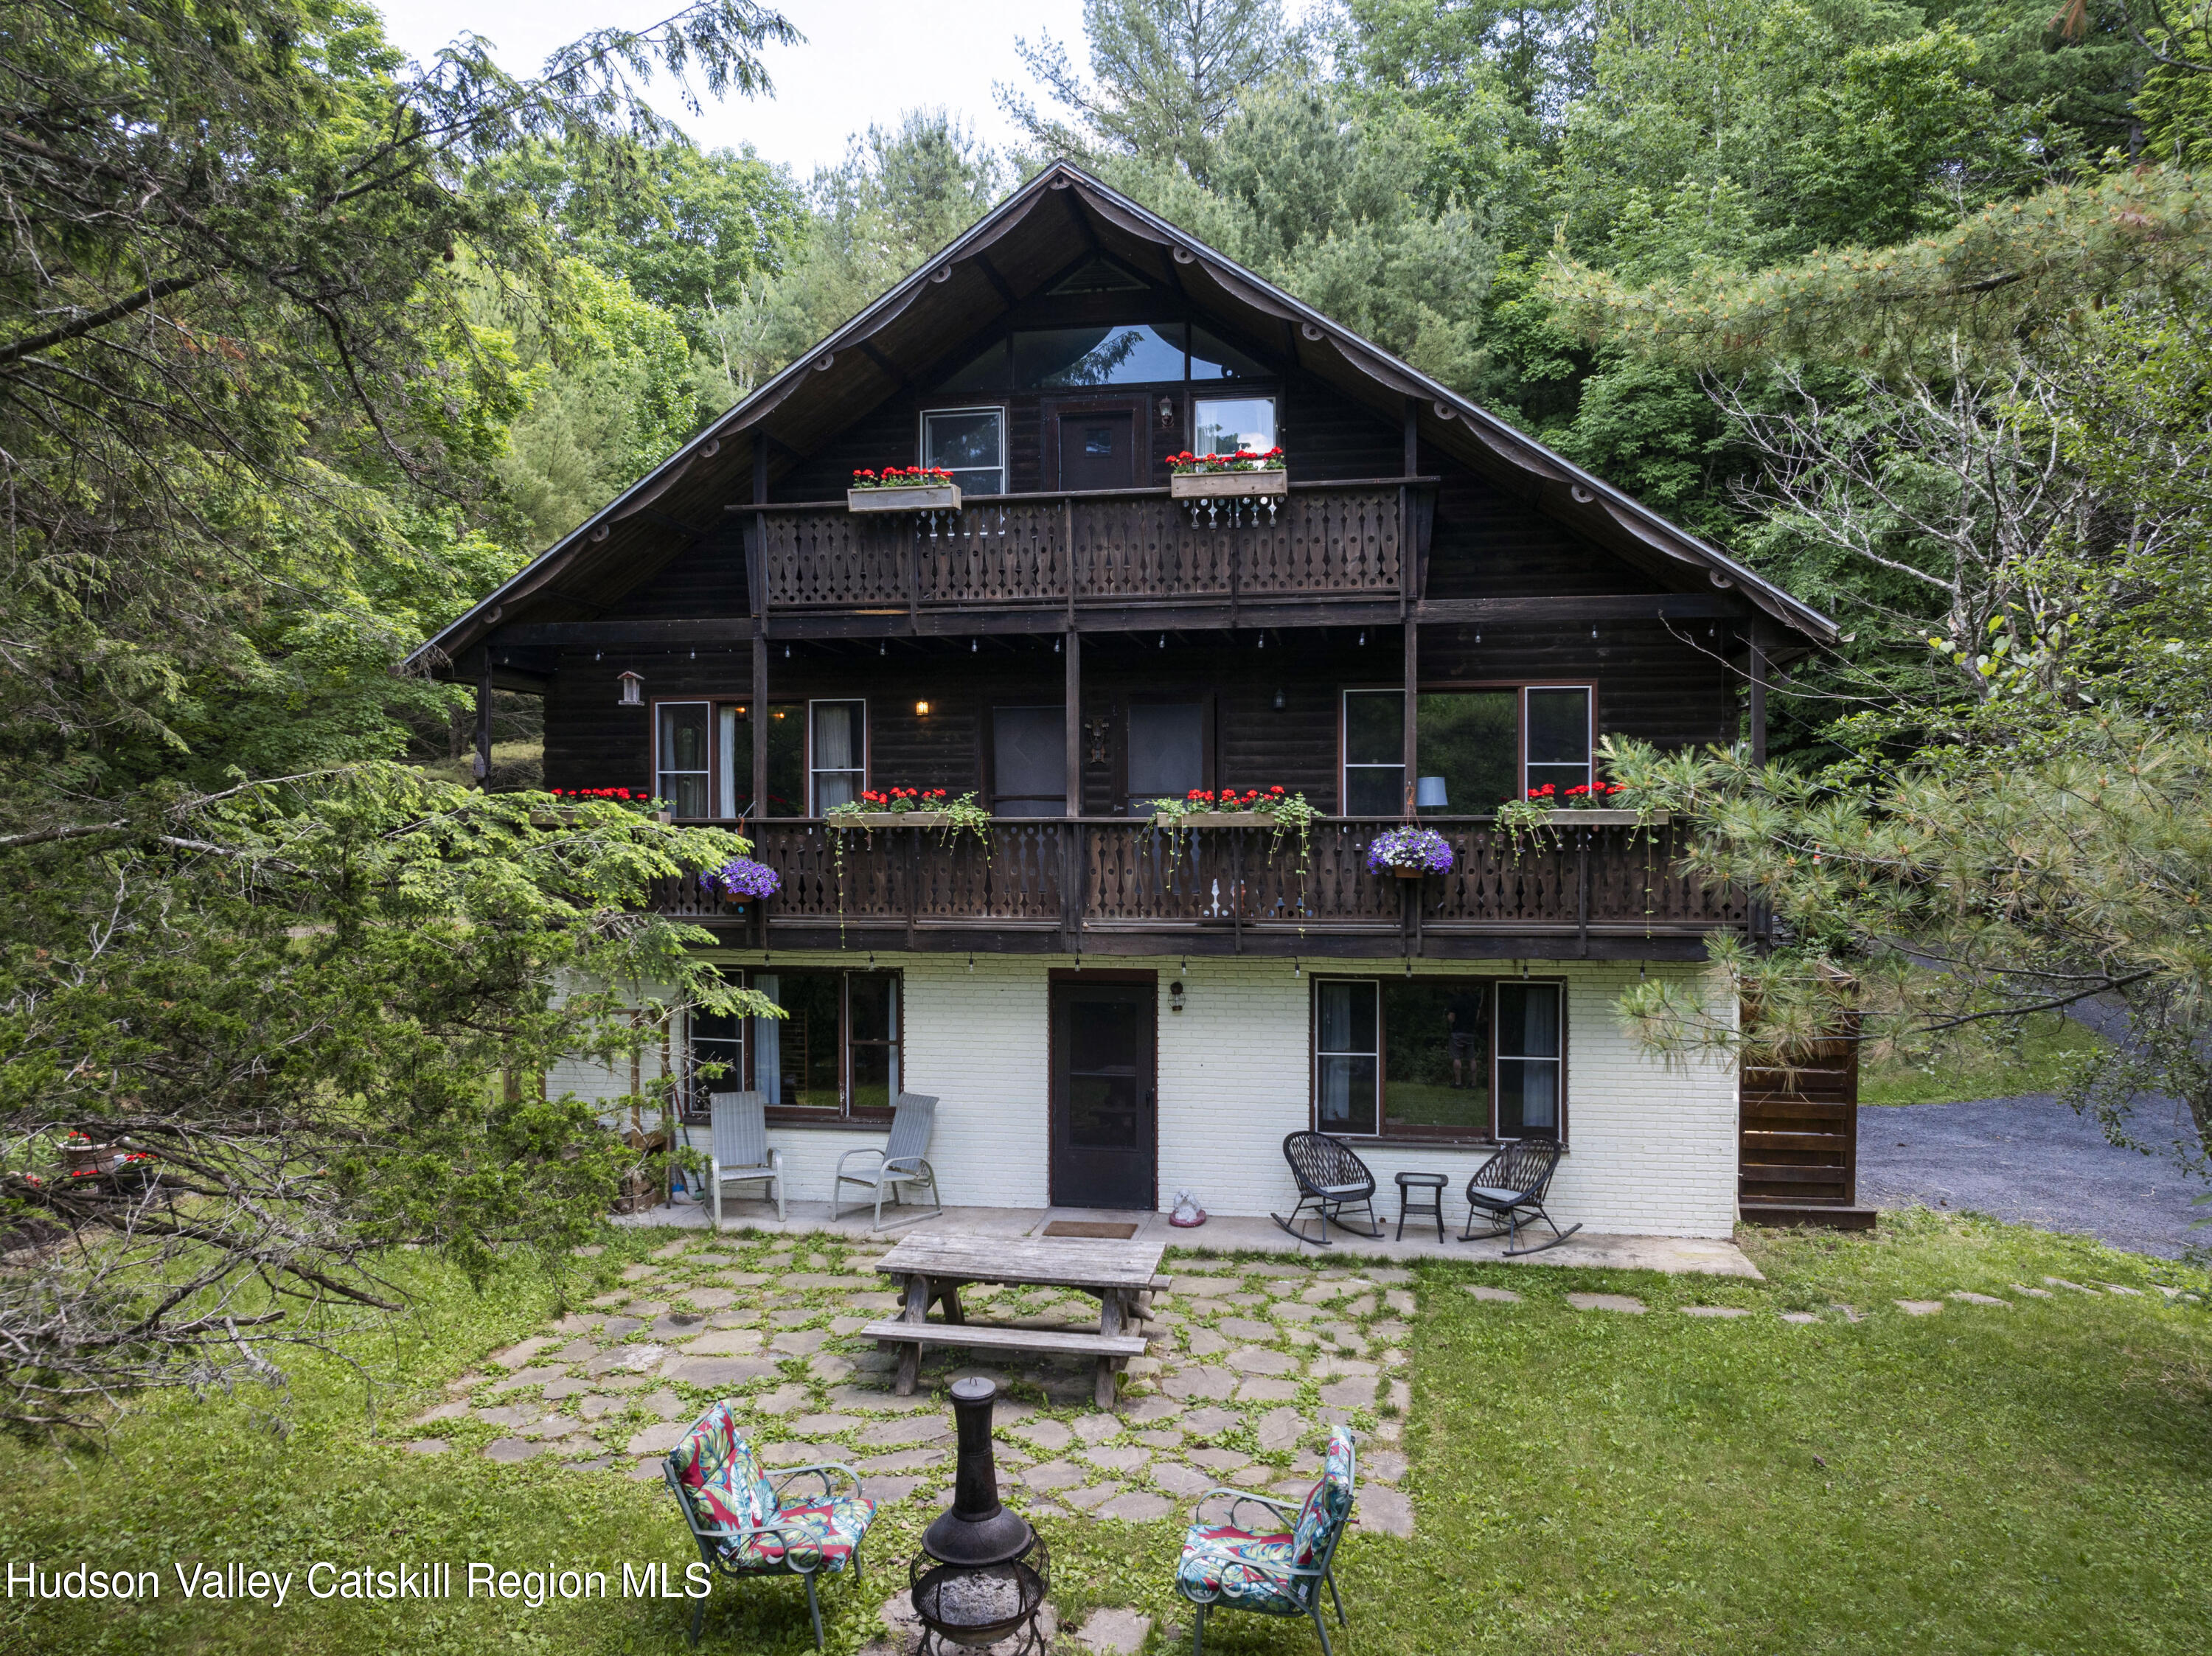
1069	552
1112	886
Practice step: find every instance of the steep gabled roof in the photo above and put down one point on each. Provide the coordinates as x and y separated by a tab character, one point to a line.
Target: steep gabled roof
1013	252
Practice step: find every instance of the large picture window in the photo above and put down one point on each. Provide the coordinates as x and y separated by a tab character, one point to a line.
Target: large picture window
1476	747
1457	1057
836	1050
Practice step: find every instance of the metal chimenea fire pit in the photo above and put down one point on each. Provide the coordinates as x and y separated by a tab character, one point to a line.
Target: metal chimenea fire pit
983	1572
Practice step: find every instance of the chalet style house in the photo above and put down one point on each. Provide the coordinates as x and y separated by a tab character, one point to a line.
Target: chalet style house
1436	614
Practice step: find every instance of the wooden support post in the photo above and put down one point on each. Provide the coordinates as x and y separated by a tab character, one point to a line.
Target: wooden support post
1412	438
1073	721
1109	1322
483	764
1413	752
759	728
1756	667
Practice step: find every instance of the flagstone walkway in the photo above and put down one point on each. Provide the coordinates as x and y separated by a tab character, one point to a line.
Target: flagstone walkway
1249	1364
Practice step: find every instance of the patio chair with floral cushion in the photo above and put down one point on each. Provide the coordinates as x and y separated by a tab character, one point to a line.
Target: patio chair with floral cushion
1265	1567
745	1523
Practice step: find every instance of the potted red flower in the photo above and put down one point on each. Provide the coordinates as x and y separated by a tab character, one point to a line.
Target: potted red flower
903	489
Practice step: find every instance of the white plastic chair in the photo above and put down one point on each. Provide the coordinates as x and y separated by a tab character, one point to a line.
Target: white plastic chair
899	1163
741	1153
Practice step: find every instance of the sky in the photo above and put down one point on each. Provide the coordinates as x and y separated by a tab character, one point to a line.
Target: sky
864	61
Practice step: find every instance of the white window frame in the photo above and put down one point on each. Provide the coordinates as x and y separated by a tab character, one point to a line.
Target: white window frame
921	435
813	769
659	770
1272	398
1345	764
1374	988
1499	1058
1589	730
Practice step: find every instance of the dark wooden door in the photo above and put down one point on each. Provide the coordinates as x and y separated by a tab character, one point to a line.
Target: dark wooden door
1105	1101
1097	448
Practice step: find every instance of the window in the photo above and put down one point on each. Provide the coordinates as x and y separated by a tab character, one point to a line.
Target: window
1558	741
681	765
970	444
1029	762
1437	1058
987	370
1374	752
1223	424
718	1057
838	766
1211	359
835	1051
1136	354
1529	1060
1471	739
1167	752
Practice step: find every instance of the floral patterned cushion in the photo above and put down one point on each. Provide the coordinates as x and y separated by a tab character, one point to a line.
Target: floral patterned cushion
716	1465
828	1532
1222	1564
1329	1503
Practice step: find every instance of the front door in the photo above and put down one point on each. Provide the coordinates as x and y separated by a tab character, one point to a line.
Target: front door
1105	1106
1097	448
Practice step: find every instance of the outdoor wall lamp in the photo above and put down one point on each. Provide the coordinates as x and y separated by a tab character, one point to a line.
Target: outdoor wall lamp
633	690
1175	996
921	710
1281	700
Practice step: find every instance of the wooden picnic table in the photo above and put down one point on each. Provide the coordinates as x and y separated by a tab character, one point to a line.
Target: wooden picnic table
932	1269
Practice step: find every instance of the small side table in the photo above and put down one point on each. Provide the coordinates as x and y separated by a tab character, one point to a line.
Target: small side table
1434	1184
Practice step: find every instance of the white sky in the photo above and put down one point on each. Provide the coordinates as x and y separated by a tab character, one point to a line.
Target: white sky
863	61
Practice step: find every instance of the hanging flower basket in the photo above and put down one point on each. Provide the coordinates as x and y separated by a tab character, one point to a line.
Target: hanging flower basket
741	877
1409	853
903	489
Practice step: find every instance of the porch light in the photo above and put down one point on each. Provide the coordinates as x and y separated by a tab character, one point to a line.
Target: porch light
633	690
921	710
1281	700
1175	997
1430	794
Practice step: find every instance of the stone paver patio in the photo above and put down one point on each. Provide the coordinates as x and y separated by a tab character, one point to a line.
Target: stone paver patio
1249	1365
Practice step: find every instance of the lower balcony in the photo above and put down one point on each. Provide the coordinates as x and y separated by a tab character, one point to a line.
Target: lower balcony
1115	886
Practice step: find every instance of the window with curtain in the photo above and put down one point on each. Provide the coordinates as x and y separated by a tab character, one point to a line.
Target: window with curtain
1558	738
1029	762
1374	752
839	765
1439	1058
970	444
1347	1058
1166	752
836	1050
717	1057
1529	1060
681	758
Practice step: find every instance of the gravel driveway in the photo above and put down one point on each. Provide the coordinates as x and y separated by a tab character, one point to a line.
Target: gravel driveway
2033	1161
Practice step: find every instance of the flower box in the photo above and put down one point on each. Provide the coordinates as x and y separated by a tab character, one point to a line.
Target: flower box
876	819
81	1157
1228	485
1214	819
1602	818
940	497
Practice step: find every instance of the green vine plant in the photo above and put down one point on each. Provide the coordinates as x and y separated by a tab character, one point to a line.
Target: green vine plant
884	808
1287	813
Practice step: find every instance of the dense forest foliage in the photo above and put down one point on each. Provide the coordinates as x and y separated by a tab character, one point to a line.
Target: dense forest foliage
308	346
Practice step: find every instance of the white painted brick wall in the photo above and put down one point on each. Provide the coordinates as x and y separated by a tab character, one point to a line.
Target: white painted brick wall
1652	1147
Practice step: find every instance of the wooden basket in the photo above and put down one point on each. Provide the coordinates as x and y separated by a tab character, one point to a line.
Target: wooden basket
941	497
1227	485
1215	819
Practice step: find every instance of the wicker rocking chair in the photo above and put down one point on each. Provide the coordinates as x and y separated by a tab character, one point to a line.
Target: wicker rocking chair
1510	1184
1330	1179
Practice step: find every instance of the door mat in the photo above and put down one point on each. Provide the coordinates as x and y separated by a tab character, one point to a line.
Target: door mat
1094	1228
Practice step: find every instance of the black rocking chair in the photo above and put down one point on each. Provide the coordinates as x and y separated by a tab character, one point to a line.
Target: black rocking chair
1510	1184
1330	1180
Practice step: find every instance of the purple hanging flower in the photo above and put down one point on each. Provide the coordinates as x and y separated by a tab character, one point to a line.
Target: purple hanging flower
1410	848
741	877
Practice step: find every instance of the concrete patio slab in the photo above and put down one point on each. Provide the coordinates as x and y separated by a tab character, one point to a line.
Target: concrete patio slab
1672	1255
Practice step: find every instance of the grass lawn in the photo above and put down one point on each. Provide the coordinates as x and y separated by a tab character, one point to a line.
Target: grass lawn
2047	1041
2030	1478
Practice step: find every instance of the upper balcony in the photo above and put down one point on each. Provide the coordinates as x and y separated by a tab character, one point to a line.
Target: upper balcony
1073	552
1116	886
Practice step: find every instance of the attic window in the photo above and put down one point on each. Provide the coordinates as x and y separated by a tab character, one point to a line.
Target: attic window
1100	275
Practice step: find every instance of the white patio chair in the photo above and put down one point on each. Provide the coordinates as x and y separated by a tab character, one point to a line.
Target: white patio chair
741	1153
898	1164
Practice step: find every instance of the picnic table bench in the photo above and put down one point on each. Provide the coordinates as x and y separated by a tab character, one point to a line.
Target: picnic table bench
931	1271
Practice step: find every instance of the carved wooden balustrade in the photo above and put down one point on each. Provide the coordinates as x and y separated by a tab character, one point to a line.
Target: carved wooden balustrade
1321	539
1115	885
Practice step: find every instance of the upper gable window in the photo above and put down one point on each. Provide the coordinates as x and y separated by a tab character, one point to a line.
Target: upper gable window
1212	359
1100	275
1132	353
987	371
